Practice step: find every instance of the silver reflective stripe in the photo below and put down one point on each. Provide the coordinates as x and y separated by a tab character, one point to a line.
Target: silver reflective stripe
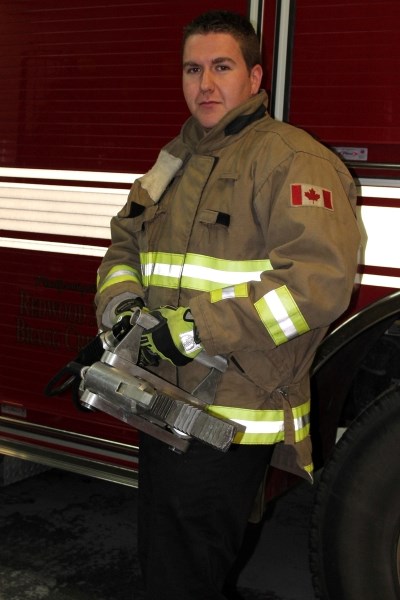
118	275
280	314
217	276
162	269
261	426
121	273
265	426
198	272
227	293
300	422
272	426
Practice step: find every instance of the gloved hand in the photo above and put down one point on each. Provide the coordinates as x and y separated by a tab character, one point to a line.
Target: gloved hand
119	317
126	307
122	316
120	306
174	338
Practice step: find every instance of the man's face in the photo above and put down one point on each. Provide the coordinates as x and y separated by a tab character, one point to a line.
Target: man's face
215	76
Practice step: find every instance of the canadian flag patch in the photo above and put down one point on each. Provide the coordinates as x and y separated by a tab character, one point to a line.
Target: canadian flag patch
307	194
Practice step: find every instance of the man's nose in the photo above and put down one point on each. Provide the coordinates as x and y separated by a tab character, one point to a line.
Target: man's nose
207	81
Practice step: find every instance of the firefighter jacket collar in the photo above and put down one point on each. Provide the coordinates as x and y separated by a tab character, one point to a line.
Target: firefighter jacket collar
233	123
241	122
195	139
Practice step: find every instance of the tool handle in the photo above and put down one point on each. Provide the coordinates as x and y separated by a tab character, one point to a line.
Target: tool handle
212	362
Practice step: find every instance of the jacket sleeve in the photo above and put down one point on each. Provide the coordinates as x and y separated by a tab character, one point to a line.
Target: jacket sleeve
305	208
119	272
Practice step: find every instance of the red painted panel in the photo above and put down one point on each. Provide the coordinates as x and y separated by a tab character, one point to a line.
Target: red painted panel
366	295
345	84
48	300
90	85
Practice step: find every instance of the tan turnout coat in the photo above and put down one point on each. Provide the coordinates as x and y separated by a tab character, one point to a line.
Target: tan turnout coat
252	226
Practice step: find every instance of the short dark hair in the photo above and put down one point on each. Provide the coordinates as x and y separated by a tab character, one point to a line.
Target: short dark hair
225	21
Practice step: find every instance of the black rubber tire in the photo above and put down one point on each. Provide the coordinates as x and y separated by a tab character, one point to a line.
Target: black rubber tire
355	526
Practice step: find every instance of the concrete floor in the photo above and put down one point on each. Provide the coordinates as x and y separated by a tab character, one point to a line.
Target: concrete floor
69	537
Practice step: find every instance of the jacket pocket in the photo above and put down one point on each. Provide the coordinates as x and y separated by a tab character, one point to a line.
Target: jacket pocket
214	217
140	219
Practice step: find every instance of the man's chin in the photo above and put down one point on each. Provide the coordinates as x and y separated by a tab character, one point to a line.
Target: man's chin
209	116
208	122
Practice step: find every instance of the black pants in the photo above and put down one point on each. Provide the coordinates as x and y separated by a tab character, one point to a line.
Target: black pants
193	512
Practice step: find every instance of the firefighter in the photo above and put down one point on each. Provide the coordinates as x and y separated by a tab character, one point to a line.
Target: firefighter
242	240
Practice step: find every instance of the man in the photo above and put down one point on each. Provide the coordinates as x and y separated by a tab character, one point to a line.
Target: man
242	240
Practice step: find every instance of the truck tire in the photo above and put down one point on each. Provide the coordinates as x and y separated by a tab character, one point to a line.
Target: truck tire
355	525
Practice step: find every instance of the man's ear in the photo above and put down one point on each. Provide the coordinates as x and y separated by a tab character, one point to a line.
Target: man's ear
256	74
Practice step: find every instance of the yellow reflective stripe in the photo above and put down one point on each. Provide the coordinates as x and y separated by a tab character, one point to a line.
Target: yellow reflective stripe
207	274
198	272
118	274
233	291
161	269
265	426
281	315
301	415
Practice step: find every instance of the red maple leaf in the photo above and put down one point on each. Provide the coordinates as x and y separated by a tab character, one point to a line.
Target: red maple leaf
312	195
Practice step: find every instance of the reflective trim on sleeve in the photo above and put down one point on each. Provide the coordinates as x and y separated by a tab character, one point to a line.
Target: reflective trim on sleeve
228	293
198	272
281	315
118	274
265	426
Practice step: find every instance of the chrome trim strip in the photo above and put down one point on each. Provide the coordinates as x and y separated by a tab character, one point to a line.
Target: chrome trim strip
80	465
62	175
45	432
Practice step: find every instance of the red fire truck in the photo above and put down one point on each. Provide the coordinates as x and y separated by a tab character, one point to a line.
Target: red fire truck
91	91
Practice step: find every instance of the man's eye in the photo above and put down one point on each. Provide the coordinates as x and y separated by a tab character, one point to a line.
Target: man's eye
223	68
192	70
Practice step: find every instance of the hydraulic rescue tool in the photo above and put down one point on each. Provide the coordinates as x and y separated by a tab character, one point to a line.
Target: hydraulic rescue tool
114	383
